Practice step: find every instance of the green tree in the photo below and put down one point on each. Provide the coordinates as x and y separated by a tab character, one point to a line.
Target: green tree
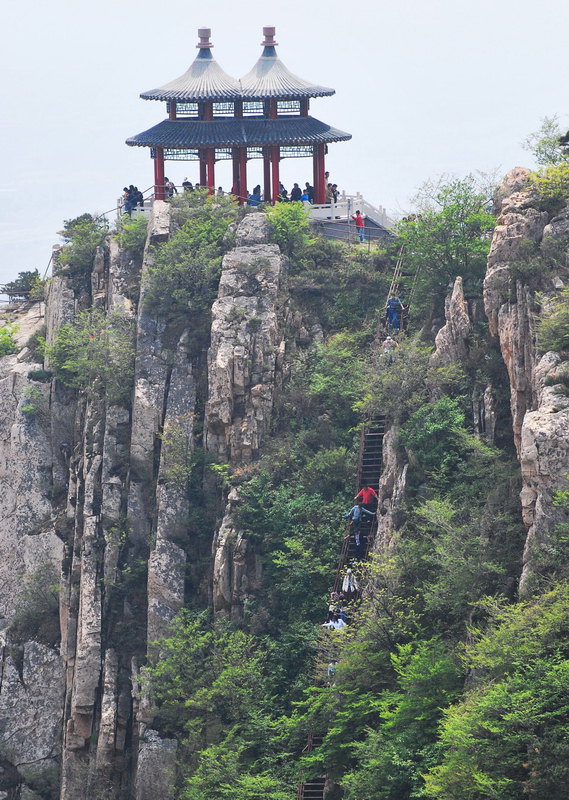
546	144
449	237
508	738
183	281
96	351
82	236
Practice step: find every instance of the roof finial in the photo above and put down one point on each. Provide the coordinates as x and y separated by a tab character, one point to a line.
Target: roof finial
204	34
269	34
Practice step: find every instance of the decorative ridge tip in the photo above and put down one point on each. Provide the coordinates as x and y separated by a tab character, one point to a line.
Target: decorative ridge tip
269	34
204	42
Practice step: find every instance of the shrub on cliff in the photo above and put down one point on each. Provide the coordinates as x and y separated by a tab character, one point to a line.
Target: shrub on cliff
182	284
96	351
131	234
82	236
8	344
553	326
450	236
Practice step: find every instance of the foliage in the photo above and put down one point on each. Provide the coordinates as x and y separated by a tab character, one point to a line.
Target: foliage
96	351
82	236
402	384
37	612
508	737
450	237
546	144
290	228
27	284
183	281
34	403
131	234
553	324
36	344
552	185
8	344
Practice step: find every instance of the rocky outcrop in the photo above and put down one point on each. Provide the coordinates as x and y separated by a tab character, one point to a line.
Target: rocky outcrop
538	405
451	342
391	493
246	345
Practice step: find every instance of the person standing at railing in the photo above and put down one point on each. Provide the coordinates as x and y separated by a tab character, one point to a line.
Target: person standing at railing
309	191
356	515
360	225
170	188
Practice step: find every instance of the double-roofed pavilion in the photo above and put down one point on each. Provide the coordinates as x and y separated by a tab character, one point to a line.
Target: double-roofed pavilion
213	117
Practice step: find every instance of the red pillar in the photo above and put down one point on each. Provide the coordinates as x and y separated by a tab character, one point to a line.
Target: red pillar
275	158
203	168
235	162
172	114
242	175
159	193
267	174
210	161
319	170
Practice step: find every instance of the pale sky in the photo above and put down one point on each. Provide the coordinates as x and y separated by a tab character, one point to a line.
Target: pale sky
443	86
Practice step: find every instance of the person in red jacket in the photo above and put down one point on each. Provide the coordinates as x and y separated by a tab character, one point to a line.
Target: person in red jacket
359	220
368	496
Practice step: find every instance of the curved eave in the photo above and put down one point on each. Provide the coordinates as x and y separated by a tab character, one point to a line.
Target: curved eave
204	80
187	134
269	78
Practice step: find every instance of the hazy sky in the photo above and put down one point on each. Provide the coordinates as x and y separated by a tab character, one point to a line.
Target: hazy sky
443	86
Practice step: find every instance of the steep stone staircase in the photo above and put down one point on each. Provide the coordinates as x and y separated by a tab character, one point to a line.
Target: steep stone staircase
369	473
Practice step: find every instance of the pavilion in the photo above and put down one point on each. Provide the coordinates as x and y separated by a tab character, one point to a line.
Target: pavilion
213	117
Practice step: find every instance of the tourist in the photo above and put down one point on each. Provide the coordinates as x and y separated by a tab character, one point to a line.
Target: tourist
360	225
295	193
356	515
309	191
283	194
220	192
170	188
350	586
368	497
335	192
394	310
304	197
389	346
255	197
187	186
335	623
329	194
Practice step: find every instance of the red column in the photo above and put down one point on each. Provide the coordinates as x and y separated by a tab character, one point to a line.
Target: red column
235	161
242	175
203	168
172	114
319	177
267	174
159	193
275	158
210	161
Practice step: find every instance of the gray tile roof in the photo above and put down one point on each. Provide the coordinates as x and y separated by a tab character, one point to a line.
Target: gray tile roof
270	78
204	80
237	132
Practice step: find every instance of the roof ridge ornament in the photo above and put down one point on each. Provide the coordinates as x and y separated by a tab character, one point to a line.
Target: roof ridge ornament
205	35
269	34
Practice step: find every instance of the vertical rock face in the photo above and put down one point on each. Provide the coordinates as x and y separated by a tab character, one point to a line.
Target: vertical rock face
538	404
245	344
244	364
451	342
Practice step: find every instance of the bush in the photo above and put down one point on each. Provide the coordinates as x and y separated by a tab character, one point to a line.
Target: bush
183	281
552	185
8	344
289	228
82	236
96	350
27	284
37	612
131	234
553	326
